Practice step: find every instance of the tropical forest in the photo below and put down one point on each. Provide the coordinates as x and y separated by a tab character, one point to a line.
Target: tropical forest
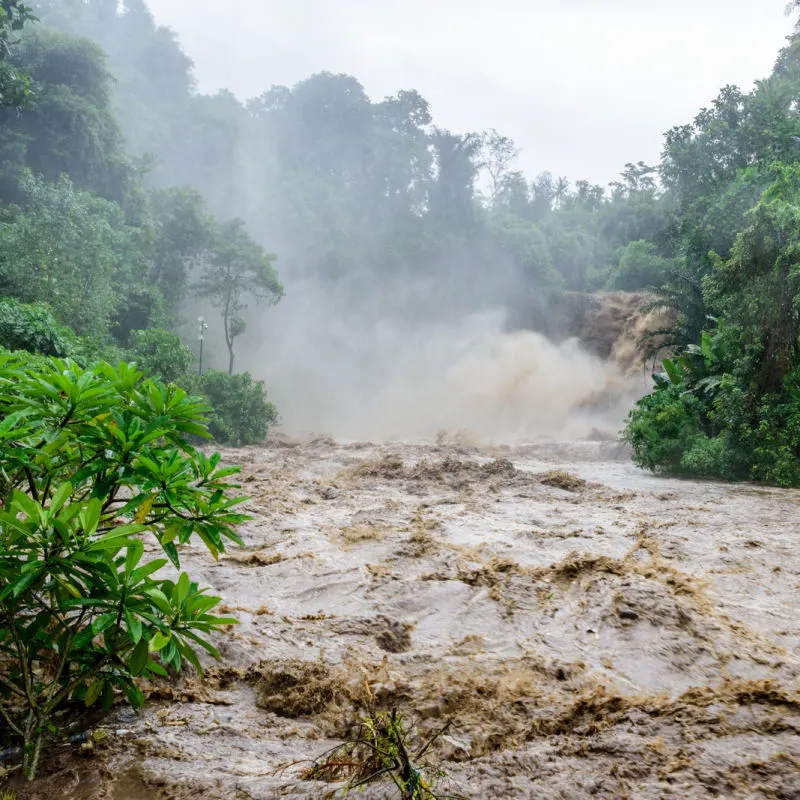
339	456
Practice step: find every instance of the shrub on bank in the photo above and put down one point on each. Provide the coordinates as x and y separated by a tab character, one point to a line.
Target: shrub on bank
93	461
240	412
718	427
160	354
33	328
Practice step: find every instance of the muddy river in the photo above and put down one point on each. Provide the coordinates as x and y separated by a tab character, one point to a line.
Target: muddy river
587	629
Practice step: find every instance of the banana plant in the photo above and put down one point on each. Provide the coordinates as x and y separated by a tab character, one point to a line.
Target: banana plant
694	370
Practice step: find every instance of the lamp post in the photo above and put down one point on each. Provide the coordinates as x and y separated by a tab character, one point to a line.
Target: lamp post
201	338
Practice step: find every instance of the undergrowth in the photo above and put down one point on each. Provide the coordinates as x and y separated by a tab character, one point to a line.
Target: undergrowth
384	751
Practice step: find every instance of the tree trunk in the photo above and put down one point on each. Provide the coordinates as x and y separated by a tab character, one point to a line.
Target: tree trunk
32	746
228	338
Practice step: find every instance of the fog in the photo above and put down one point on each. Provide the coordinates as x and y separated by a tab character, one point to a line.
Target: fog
431	356
469	378
582	86
451	345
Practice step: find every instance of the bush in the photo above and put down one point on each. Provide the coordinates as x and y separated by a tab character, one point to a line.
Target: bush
91	461
34	329
730	434
714	457
240	412
160	354
776	436
663	426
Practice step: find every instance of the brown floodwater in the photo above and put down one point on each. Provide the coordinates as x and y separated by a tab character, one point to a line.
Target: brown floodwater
588	630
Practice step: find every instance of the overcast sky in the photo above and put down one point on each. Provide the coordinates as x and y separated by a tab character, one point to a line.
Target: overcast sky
582	85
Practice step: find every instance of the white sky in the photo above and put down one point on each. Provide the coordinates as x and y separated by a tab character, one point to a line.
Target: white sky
582	85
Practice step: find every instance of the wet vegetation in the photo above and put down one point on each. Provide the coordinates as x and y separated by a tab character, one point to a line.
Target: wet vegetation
382	752
92	460
137	213
148	224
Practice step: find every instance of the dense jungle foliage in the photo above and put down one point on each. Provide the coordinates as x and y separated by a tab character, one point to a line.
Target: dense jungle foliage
130	203
728	402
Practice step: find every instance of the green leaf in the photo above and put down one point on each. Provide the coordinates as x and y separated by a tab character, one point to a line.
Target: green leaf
128	530
112	541
94	691
222	621
134	695
60	497
70	512
707	347
200	603
108	696
133	556
225	472
139	658
207	646
160	641
134	626
156	669
11	521
103	622
73	590
170	533
191	657
159	600
91	516
673	373
146	570
181	589
22	583
172	551
26	505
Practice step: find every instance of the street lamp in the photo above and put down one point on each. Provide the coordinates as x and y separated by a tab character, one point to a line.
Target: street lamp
201	338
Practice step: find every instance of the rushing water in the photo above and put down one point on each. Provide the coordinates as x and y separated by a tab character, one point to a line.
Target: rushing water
594	632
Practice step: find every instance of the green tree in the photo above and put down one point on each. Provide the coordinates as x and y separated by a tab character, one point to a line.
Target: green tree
741	380
716	168
240	413
92	461
160	354
497	155
66	249
452	195
203	147
33	328
528	247
757	288
236	269
184	230
639	267
72	129
15	85
560	191
153	76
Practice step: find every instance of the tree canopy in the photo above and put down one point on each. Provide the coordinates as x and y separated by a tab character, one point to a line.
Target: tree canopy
130	201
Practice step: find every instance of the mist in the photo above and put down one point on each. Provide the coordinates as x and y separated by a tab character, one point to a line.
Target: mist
415	349
404	380
418	357
426	255
583	87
